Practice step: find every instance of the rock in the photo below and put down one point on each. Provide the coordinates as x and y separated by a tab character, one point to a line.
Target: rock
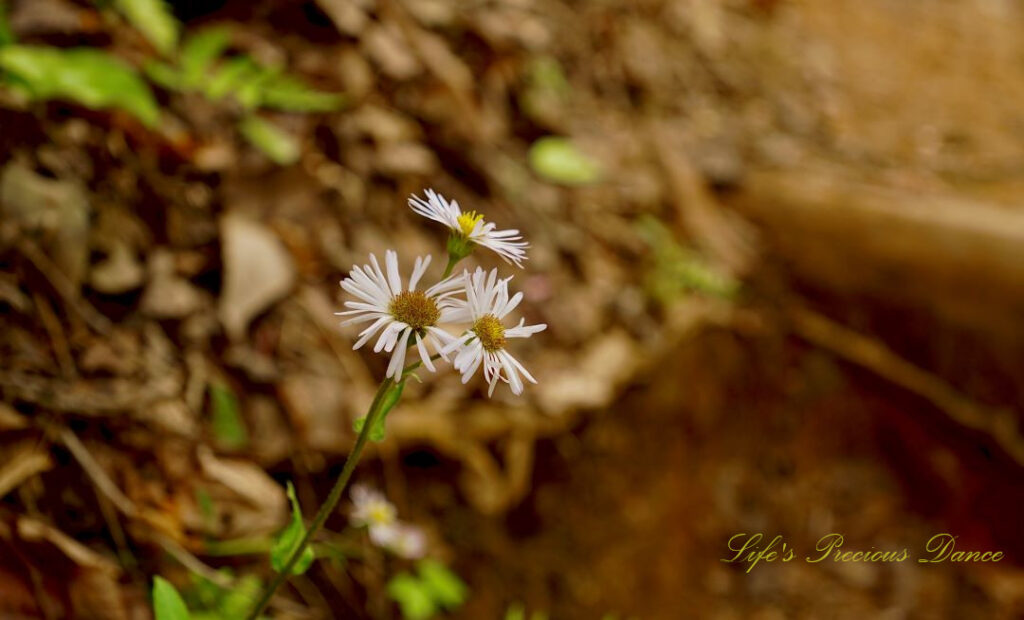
56	210
257	272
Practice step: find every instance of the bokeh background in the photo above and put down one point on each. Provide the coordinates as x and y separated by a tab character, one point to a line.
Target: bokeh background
778	244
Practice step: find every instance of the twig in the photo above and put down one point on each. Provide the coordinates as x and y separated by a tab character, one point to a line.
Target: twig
63	285
57	338
1000	424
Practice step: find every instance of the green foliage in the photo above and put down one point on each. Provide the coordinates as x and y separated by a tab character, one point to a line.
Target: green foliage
387	403
199	53
433	589
167	603
557	159
228	426
154	19
203	68
214	602
289	540
678	270
518	612
282	148
376	433
6	36
87	76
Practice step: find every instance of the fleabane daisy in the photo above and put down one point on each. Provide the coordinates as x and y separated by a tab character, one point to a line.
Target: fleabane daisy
487	303
469	228
401	315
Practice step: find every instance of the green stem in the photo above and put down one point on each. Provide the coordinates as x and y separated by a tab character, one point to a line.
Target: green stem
452	261
329	504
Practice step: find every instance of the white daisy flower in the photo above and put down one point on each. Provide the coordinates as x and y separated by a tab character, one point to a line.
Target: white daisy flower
402	539
470	227
487	303
371	509
400	315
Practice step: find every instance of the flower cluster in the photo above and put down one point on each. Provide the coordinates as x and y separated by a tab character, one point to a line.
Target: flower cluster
372	510
402	315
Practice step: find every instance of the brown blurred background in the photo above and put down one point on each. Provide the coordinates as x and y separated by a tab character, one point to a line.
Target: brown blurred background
780	251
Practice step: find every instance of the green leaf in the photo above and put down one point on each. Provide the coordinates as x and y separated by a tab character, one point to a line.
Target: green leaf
289	540
167	603
515	611
444	586
155	20
678	270
163	74
377	433
282	148
228	427
230	76
388	402
239	599
86	76
6	36
556	159
292	95
199	52
412	596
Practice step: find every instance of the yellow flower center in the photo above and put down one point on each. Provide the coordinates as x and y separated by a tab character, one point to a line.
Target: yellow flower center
468	221
381	514
414	309
491	333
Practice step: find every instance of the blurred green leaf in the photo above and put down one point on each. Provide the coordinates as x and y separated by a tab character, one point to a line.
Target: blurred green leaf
230	76
289	541
516	611
199	52
154	20
86	76
444	586
377	433
282	148
228	427
6	35
557	159
167	603
292	95
163	74
413	597
237	601
678	270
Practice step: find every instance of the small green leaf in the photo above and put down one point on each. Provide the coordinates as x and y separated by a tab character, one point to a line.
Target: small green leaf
155	20
230	76
556	159
85	75
167	603
228	427
239	599
388	402
444	586
377	433
292	95
679	270
289	540
515	611
282	148
200	51
163	74
412	596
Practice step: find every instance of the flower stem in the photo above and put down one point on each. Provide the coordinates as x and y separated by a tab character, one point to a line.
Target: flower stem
332	498
452	261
